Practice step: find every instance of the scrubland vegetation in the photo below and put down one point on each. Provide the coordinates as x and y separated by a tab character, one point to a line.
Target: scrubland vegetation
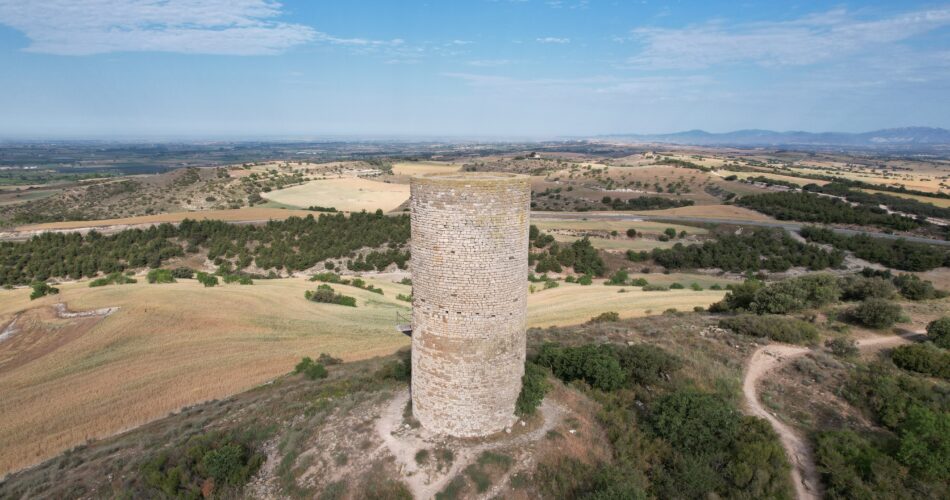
291	245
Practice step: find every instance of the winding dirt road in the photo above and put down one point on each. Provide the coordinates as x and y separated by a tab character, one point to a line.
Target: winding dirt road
797	449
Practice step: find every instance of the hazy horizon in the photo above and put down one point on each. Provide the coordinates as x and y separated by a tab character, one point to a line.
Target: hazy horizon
476	70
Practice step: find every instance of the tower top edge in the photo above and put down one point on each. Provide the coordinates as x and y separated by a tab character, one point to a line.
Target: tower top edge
481	178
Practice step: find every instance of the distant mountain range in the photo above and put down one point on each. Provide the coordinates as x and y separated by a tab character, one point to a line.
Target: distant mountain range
892	138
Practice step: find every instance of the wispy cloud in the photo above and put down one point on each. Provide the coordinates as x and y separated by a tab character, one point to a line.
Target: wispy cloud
487	63
808	40
226	27
655	88
551	39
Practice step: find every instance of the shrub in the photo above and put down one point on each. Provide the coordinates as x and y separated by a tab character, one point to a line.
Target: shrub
326	295
842	347
927	359
404	298
310	369
618	278
677	286
116	278
693	421
939	332
551	284
774	327
214	464
534	385
852	467
206	279
914	288
647	364
861	288
654	288
607	317
183	273
585	280
631	233
159	276
398	369
595	364
876	313
696	287
42	289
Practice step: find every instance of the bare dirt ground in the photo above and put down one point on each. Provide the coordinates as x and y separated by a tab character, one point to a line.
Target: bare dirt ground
404	443
768	358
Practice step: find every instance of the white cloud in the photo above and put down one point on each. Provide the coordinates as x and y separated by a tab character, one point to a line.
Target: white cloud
808	40
227	27
551	39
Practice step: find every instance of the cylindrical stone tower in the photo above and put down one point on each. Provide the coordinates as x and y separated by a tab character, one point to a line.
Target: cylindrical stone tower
470	291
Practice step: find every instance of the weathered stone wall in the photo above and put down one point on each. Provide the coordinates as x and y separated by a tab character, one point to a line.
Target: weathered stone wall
470	291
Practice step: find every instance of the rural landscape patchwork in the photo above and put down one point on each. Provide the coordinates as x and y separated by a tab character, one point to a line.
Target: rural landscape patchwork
419	308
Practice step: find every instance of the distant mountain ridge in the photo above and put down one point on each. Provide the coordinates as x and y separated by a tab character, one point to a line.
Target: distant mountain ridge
887	138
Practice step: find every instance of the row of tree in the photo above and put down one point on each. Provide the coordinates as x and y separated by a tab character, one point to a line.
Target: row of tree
293	244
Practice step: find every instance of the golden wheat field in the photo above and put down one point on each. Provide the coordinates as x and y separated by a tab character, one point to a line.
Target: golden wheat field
571	303
64	381
350	194
166	347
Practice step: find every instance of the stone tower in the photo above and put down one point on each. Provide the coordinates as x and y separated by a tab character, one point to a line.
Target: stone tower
470	290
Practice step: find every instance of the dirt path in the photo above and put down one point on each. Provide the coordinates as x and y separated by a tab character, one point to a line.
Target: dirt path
403	446
799	452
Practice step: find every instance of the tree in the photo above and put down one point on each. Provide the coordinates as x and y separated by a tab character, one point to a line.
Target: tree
876	313
939	332
631	233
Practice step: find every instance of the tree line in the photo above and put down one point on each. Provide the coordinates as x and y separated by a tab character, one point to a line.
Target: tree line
810	207
293	244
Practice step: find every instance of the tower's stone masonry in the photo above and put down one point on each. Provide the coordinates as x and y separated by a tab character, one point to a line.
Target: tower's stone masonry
470	291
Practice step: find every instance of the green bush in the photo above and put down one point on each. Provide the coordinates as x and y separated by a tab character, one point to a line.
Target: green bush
854	468
42	289
398	369
607	317
774	327
225	461
534	385
654	288
310	369
861	288
116	278
842	347
206	279
646	364
326	295
914	288
159	276
939	332
927	359
404	298
677	286
585	280
595	364
876	313
618	278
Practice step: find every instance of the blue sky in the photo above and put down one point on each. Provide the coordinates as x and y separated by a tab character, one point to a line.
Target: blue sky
477	68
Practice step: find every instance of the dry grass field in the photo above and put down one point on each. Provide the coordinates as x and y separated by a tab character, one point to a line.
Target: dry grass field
348	194
787	178
571	303
240	214
646	227
65	381
731	212
915	181
423	167
167	346
940	202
